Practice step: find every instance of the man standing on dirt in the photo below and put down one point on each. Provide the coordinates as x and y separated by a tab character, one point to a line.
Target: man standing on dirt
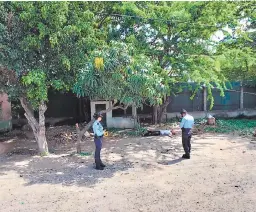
98	136
186	125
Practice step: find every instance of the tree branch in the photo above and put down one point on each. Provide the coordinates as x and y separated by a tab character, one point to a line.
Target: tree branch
121	107
28	113
9	21
102	21
114	108
86	128
42	109
115	102
30	117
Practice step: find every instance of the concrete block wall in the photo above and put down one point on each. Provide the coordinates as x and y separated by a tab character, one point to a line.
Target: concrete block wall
114	122
217	113
121	122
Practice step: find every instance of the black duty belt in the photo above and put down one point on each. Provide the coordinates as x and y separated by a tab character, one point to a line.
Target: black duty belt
186	130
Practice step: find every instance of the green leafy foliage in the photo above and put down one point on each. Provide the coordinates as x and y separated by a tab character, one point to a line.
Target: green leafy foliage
158	46
35	81
45	44
237	49
239	63
240	126
179	37
42	46
129	78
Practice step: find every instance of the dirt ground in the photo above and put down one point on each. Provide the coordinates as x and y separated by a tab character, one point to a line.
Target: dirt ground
142	174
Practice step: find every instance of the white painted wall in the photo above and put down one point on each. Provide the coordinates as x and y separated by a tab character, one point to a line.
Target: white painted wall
121	122
113	122
93	108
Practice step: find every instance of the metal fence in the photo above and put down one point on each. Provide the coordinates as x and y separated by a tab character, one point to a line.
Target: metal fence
231	100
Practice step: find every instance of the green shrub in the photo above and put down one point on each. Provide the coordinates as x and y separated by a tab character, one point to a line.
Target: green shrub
241	126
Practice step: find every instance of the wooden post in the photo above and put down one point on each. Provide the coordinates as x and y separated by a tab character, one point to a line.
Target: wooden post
241	96
205	98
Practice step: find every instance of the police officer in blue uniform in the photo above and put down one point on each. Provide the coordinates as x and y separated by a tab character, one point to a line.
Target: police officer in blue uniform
98	136
186	125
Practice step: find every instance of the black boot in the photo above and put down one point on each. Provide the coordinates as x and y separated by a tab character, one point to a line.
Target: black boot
102	164
98	166
186	156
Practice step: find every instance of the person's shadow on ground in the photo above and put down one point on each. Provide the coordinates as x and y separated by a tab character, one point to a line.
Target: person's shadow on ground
175	161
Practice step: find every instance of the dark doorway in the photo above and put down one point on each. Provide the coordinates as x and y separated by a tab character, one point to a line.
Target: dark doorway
98	108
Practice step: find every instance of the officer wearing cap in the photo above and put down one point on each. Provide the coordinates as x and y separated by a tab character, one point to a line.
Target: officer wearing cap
186	125
98	135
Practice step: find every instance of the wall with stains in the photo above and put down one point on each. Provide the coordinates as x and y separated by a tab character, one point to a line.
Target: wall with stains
6	112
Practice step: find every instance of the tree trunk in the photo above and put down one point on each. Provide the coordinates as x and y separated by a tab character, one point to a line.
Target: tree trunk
79	140
162	108
80	134
241	96
155	114
42	142
38	127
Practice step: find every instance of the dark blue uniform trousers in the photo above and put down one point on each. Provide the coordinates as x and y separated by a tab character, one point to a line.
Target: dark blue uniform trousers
98	146
186	140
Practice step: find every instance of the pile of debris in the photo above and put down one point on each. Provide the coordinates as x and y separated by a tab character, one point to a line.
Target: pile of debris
61	134
201	124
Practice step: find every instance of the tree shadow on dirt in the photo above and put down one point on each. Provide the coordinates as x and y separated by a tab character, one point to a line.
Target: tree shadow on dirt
65	170
120	156
248	142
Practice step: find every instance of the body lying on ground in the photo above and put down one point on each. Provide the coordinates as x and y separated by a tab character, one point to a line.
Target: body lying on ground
169	133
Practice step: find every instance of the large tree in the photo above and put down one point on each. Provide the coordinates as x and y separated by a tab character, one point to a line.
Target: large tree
178	35
45	45
116	73
42	45
237	48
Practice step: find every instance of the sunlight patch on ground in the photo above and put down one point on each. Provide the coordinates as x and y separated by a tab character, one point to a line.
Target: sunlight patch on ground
115	157
22	163
10	141
56	156
59	173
